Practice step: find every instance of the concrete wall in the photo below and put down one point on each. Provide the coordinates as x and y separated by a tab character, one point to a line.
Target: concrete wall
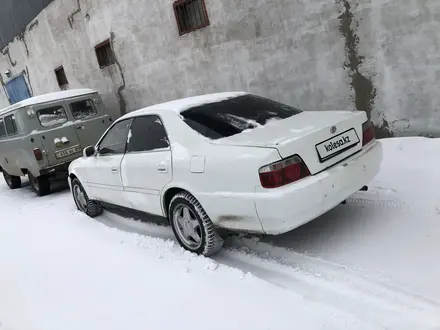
381	56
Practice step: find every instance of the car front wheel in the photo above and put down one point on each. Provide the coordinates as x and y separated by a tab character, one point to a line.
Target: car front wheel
82	201
191	225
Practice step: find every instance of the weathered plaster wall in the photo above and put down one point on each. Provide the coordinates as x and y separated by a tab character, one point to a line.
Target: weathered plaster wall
381	56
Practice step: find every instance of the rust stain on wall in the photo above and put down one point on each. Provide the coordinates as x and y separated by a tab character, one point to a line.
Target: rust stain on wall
5	52
22	35
122	102
71	17
364	90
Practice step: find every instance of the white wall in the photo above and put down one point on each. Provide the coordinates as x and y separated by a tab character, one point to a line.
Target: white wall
380	56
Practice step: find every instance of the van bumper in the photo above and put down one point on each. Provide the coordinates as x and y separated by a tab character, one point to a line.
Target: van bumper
58	169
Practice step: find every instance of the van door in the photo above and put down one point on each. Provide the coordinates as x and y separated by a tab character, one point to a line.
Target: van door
58	136
90	118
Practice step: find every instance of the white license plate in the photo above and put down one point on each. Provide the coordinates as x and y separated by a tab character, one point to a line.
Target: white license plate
67	152
337	144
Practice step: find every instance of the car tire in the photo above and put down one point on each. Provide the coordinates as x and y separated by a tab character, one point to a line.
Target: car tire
40	185
13	182
83	203
186	214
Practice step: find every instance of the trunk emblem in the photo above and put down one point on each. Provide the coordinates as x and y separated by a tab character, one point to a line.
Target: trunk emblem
333	129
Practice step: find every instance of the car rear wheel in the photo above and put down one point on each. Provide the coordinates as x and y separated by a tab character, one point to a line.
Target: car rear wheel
82	201
12	181
191	225
41	184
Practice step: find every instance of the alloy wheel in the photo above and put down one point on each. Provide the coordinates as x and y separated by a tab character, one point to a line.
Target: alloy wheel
187	226
80	198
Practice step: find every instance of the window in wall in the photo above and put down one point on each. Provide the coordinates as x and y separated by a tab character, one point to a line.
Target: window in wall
2	129
61	77
116	138
11	126
83	109
191	15
147	133
52	116
104	54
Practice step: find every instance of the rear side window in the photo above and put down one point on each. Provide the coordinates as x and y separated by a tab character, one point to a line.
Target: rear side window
11	126
147	133
2	128
52	116
234	115
83	109
115	140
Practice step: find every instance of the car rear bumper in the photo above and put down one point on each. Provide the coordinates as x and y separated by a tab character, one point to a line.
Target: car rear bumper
286	208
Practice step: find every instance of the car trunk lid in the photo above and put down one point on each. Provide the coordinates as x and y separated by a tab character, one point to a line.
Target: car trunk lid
320	138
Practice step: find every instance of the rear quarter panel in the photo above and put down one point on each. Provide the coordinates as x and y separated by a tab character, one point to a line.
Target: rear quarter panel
222	178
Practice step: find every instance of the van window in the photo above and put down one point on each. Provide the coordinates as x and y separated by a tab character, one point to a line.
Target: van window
52	116
11	126
2	128
83	109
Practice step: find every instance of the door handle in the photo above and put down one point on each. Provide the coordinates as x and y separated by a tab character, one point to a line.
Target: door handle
115	170
79	127
162	167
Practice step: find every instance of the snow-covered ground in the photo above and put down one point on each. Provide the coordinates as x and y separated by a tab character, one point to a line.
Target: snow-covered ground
369	264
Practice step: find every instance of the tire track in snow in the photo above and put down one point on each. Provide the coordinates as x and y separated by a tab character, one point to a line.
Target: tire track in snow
371	298
377	300
428	209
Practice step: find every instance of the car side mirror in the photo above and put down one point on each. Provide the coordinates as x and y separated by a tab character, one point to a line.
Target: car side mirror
89	151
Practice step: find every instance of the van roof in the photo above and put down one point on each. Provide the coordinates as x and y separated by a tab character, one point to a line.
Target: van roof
47	98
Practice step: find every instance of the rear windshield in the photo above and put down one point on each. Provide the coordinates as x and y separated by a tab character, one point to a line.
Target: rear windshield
233	116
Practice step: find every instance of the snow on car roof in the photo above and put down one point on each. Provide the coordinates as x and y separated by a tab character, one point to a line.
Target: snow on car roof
47	98
181	105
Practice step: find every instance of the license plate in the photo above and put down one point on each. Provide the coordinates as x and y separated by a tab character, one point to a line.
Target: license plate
336	145
68	151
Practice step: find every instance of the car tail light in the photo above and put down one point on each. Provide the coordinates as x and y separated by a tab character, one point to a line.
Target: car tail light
38	154
283	172
367	132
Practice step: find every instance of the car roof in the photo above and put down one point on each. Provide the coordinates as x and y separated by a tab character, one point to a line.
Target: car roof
183	104
43	98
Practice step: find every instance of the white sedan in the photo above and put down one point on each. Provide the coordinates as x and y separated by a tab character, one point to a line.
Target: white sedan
229	160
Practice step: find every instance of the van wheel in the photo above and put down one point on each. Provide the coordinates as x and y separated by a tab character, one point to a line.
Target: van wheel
82	201
41	185
191	225
12	181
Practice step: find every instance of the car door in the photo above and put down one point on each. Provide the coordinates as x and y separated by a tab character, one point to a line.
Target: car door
90	118
146	167
103	170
